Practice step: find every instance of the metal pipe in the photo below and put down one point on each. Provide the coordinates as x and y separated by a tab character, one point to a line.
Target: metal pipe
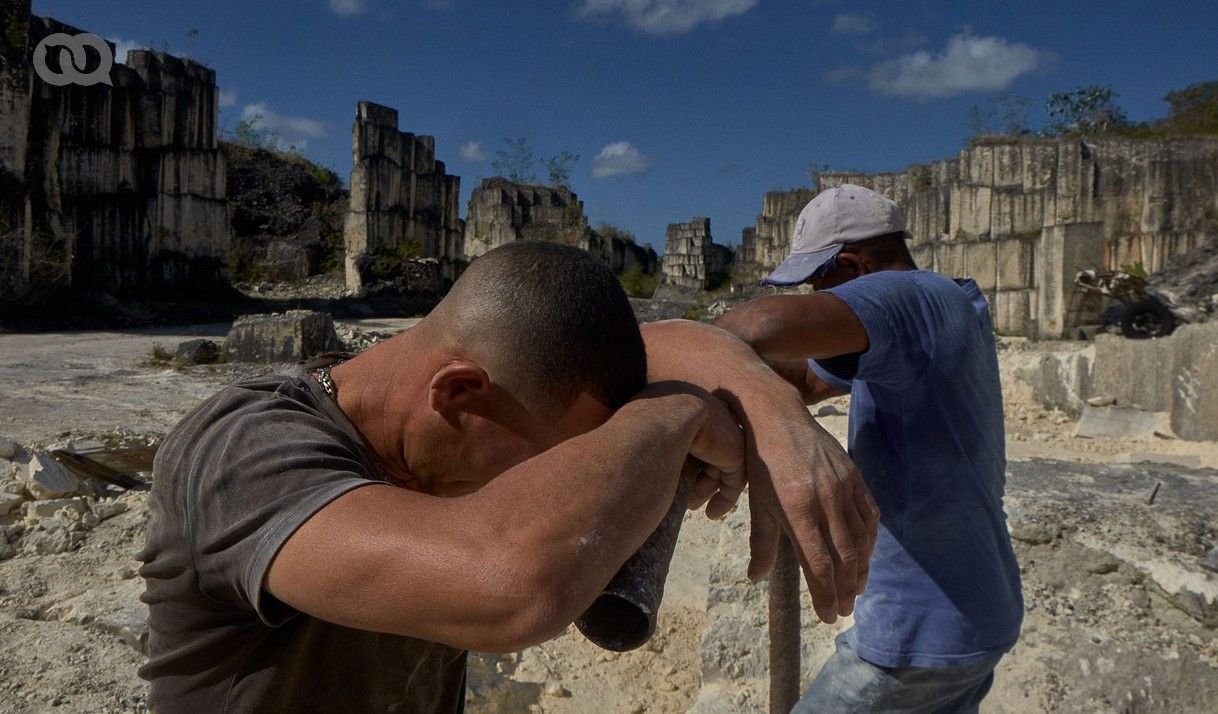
623	617
784	629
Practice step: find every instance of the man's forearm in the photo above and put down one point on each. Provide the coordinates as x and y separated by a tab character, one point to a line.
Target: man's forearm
579	510
797	326
718	362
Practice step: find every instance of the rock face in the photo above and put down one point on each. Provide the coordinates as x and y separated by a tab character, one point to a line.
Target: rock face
764	246
502	211
288	337
287	215
117	187
1021	216
692	259
403	203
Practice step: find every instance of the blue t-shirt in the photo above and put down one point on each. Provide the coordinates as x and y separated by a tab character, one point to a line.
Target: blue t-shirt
926	430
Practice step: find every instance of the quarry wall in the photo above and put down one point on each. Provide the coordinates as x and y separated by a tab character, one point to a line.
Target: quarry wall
116	187
1021	216
403	202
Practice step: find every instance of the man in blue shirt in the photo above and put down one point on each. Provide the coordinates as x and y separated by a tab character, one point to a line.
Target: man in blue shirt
915	350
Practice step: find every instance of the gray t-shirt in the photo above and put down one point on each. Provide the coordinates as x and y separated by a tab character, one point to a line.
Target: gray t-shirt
232	482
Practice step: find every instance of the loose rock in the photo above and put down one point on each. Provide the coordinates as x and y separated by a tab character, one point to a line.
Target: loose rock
197	351
9	502
46	478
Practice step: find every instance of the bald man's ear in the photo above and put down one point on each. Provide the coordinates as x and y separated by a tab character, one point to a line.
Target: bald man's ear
458	386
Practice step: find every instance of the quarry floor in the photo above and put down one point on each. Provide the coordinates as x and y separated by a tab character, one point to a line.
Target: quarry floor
1105	630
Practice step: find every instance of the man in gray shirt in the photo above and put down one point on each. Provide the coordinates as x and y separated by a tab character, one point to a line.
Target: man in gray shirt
336	539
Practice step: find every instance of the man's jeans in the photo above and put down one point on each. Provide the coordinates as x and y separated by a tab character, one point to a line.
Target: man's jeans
848	683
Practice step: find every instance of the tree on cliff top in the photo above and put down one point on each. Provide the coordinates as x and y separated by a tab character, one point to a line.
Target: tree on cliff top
515	161
1194	109
560	167
1090	109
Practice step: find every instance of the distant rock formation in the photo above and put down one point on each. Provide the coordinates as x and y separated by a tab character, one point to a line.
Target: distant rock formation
1022	216
111	187
764	246
501	211
403	203
692	259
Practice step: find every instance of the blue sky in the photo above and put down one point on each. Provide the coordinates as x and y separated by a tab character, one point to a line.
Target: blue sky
677	107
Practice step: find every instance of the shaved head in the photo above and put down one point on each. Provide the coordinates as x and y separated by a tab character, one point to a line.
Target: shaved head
548	322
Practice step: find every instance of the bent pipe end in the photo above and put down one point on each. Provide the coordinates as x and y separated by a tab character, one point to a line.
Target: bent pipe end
623	616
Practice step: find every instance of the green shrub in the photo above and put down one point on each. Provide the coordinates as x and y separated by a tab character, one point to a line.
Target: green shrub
638	284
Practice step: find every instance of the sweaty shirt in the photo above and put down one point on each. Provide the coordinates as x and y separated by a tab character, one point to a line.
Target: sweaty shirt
232	482
926	431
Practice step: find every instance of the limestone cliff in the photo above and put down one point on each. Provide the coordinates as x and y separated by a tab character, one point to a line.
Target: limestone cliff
404	204
1021	216
501	211
118	188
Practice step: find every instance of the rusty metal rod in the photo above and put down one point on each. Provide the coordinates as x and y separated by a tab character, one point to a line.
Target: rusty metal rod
784	629
623	617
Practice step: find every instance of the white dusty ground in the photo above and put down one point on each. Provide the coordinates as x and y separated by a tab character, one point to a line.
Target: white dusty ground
1110	623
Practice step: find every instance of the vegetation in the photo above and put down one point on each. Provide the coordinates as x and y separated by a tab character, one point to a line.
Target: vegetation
1136	269
560	167
608	230
1092	110
638	284
1004	114
1085	110
718	280
515	161
387	264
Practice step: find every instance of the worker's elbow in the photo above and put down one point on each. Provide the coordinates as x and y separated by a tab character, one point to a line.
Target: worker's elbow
533	608
740	323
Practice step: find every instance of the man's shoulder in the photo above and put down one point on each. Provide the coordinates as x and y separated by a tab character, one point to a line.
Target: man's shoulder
901	286
239	406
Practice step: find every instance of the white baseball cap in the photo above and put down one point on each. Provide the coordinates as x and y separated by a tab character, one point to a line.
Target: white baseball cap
843	214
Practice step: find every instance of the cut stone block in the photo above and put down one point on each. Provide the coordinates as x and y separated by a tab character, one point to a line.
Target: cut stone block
1119	422
288	337
1194	414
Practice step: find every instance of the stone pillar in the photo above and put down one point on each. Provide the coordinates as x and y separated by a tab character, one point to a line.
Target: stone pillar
403	202
1064	250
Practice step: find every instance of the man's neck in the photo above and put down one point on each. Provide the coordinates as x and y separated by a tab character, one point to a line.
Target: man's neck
377	394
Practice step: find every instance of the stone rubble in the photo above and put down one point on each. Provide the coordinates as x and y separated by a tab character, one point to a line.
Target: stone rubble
46	509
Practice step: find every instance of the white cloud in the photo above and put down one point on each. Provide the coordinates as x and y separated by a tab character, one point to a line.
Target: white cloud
664	17
619	159
227	98
122	47
291	131
347	8
847	23
967	64
471	152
